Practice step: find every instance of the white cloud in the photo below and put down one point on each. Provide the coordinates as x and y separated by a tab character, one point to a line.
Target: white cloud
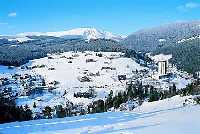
192	5
3	23
12	14
188	6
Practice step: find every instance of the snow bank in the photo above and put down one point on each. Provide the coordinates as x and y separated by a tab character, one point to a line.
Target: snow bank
175	119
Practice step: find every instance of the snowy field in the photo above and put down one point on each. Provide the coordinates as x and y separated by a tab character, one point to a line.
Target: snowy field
67	68
159	117
162	117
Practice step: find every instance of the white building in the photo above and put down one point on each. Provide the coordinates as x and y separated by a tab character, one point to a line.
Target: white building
198	74
162	67
162	61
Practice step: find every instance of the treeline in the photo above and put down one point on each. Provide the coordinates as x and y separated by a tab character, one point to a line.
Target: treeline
185	55
9	112
16	54
136	92
140	93
191	89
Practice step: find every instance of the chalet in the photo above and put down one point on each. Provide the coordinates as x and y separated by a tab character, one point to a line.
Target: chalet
99	54
121	77
88	54
54	83
50	57
108	68
84	79
4	81
75	55
51	68
90	60
63	57
70	58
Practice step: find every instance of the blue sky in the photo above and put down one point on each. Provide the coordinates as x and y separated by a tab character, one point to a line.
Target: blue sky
118	16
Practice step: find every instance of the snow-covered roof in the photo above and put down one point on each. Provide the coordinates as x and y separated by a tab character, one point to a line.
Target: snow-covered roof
161	57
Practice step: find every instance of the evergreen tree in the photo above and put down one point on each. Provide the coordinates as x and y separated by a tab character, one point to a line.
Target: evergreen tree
26	107
47	112
174	89
98	106
140	91
117	100
154	96
34	105
109	100
28	114
124	97
130	93
60	111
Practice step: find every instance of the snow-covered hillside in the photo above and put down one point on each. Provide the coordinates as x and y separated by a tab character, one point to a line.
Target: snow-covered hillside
54	80
59	79
73	72
189	39
68	68
161	117
19	38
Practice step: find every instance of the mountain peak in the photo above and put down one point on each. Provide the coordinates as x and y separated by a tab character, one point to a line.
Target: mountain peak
86	33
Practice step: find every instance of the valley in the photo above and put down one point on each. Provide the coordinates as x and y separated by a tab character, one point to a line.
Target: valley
99	67
98	82
76	80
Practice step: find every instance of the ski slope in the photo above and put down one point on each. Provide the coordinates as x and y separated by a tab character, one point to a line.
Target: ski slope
162	117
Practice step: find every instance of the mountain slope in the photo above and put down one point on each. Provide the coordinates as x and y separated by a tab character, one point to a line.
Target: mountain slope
186	54
182	40
19	53
151	39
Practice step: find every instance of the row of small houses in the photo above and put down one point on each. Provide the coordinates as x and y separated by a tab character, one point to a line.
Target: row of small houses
31	84
4	81
6	91
39	88
88	79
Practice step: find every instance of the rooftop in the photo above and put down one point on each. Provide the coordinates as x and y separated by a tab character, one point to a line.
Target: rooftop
161	57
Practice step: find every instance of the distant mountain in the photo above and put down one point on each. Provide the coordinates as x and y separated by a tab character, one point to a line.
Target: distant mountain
182	40
14	38
85	33
78	33
157	37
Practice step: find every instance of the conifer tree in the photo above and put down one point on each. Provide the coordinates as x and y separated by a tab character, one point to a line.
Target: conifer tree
34	105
